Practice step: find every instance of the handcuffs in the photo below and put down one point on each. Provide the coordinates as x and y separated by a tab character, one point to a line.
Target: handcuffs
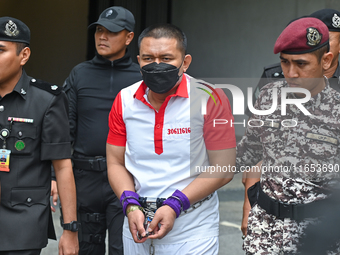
149	212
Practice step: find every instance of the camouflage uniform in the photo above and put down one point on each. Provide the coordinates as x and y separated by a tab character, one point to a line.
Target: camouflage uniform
314	140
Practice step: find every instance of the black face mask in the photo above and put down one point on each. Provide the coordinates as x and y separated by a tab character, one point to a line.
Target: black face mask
160	78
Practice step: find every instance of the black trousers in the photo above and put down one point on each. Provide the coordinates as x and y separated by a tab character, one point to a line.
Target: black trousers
23	252
95	195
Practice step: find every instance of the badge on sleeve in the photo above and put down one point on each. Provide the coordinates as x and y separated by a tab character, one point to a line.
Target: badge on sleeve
4	160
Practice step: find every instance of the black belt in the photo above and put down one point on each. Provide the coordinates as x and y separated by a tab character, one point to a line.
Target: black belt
91	164
91	217
93	238
296	212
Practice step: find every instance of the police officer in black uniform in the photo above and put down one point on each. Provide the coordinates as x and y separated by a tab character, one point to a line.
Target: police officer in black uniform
91	88
274	72
33	133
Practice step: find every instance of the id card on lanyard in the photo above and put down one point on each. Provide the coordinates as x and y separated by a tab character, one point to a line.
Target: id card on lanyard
4	160
4	153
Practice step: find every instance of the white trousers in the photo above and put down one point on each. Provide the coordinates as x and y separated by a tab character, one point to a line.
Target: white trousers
207	246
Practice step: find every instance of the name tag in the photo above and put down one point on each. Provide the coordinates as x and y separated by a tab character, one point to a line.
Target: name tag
322	138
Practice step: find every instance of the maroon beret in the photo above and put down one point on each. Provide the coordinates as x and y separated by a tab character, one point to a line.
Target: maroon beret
302	36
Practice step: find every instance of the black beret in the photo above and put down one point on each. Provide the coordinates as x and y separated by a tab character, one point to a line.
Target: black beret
330	17
14	30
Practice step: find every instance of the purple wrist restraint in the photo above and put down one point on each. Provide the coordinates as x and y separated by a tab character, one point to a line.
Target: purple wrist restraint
178	201
129	197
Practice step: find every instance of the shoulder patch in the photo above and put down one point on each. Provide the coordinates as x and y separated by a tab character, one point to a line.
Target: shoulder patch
51	88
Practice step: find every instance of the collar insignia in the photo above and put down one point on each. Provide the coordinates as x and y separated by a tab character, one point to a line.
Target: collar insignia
54	87
23	92
313	36
336	21
11	29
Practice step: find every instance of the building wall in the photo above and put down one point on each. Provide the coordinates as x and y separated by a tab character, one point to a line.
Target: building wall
58	34
230	38
231	41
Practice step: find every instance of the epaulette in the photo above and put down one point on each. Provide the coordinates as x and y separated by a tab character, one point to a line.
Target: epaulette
273	71
51	88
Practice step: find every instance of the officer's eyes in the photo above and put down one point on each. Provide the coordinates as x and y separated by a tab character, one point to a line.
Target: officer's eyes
147	59
301	63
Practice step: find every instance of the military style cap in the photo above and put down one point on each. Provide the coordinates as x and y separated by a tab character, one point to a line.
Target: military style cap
115	19
302	36
14	30
330	17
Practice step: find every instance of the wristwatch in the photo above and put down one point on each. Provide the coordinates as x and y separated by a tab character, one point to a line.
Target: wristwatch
72	226
134	208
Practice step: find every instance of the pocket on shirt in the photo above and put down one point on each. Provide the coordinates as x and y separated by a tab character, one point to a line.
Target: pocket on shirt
22	138
29	196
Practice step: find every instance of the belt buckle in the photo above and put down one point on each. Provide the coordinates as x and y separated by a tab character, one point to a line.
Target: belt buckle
101	163
97	239
93	217
286	210
91	163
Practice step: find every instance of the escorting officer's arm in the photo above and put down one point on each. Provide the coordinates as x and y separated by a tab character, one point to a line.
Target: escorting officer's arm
251	178
121	180
68	243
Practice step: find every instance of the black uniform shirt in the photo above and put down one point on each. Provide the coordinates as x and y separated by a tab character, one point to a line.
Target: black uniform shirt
39	137
91	88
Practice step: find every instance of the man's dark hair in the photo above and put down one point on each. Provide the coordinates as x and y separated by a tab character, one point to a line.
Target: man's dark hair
20	47
320	52
167	31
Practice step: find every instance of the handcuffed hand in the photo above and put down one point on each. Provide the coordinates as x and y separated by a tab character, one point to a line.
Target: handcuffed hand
165	217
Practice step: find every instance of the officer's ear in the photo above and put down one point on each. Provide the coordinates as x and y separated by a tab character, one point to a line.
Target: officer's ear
129	37
326	60
25	55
